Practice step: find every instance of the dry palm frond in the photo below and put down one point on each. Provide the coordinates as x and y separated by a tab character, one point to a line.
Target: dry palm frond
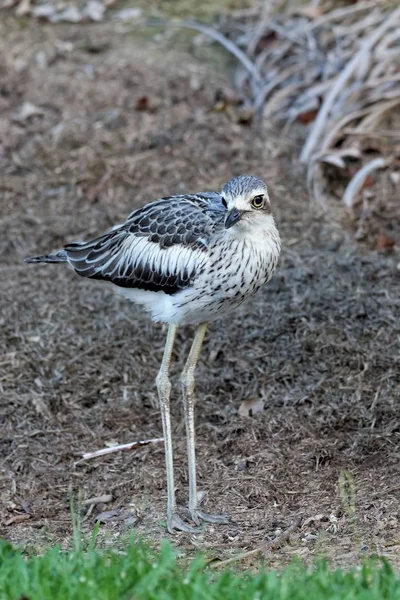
336	72
359	178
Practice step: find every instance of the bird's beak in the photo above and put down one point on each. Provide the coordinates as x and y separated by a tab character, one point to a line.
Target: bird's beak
232	217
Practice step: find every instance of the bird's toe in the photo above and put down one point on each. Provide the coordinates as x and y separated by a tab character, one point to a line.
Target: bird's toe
175	523
199	515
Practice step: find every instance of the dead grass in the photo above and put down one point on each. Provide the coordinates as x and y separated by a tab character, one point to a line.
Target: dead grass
320	345
328	75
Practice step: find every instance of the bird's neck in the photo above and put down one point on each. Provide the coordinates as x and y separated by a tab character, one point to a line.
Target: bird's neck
256	232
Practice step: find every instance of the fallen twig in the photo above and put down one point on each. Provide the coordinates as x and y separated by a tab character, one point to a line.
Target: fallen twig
16	519
276	542
98	500
91	502
131	446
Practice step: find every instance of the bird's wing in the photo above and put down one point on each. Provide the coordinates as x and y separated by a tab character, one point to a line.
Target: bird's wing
160	247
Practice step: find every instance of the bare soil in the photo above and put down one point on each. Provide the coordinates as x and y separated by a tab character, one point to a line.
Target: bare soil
122	121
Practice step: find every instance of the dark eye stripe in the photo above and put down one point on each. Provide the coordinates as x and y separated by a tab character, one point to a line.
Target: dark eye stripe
224	202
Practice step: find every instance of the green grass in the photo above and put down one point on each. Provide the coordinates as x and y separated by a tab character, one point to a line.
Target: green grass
138	573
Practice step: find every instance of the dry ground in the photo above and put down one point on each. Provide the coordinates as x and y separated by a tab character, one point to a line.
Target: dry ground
320	345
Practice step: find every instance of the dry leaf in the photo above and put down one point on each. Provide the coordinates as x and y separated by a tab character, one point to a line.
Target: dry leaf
71	15
9	3
245	116
44	11
251	407
24	8
107	515
143	104
383	242
395	177
319	517
40	405
27	111
265	41
26	506
369	181
307	116
225	97
219	106
94	10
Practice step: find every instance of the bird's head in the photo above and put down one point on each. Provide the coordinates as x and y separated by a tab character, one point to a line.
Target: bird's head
247	203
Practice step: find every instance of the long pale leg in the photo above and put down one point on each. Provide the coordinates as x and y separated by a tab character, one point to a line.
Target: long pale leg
187	380
164	392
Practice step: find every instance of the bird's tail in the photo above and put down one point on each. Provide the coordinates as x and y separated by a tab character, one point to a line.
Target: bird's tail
58	257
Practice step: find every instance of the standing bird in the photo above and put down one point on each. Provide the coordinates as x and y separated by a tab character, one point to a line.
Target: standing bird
188	260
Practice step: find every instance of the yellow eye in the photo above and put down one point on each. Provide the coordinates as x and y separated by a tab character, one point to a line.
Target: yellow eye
258	201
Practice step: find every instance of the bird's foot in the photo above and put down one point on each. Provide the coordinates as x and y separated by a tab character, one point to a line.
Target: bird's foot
175	523
199	515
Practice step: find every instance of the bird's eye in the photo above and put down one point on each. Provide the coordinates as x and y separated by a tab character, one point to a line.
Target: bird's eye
258	201
224	202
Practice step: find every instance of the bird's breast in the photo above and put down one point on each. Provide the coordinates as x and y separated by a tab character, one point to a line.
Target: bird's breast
239	267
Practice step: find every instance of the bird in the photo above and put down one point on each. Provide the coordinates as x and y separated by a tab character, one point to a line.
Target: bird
188	260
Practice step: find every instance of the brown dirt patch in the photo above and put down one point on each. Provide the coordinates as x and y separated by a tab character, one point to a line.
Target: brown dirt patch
320	345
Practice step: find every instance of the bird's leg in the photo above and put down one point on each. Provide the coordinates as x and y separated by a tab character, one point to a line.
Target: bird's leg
164	392
187	380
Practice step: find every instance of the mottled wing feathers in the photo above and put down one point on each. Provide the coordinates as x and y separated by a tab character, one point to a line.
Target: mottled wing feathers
183	220
160	247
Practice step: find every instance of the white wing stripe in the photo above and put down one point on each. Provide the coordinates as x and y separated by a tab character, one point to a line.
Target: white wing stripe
140	252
